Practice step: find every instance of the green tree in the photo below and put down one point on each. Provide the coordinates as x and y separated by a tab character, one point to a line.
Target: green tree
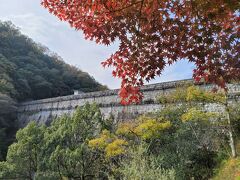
58	151
24	156
196	99
30	71
7	123
26	64
141	165
66	144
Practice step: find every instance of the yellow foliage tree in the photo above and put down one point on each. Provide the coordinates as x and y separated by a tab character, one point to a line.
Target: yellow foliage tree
109	143
195	96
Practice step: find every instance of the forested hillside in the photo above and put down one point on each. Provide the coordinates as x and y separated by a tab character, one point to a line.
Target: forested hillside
30	71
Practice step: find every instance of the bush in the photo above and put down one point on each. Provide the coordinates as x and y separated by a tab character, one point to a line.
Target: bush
140	165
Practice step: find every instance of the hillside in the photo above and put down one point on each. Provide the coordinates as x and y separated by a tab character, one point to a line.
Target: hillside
29	71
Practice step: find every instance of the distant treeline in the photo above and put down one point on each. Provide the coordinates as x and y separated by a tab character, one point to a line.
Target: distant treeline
30	71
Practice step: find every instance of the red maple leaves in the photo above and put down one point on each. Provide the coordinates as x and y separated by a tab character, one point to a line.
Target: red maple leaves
155	33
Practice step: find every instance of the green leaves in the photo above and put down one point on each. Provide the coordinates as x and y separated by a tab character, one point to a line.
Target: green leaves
193	94
197	115
28	71
175	142
58	151
66	142
141	165
8	125
23	156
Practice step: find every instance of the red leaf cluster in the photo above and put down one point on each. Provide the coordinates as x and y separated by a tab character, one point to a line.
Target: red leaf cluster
156	33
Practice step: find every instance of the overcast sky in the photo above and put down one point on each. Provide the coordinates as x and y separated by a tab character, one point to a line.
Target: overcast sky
35	22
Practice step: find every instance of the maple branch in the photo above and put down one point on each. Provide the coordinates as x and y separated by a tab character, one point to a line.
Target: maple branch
130	5
140	14
203	32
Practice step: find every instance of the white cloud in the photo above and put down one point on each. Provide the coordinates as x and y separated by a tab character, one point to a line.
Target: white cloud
31	25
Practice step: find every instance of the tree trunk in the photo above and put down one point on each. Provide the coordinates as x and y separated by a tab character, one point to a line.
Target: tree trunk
230	133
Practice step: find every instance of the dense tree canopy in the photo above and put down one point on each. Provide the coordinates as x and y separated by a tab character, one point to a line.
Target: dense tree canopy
157	33
7	126
176	143
59	151
30	71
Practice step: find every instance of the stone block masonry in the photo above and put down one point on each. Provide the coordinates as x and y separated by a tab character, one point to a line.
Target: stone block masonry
45	110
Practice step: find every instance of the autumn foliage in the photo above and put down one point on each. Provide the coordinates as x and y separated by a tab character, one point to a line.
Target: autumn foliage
157	33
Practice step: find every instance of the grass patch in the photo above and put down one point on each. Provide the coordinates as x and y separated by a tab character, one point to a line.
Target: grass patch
230	169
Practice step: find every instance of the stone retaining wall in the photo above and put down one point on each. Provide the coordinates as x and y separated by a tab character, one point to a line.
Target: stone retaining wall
45	110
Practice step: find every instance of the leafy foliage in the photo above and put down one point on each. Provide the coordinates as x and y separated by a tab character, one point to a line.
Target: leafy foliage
194	114
193	94
174	143
58	151
30	71
187	147
141	166
23	157
66	149
7	123
162	145
229	168
194	100
110	144
154	34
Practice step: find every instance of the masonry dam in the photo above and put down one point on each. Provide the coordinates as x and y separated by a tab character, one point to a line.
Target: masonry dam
45	110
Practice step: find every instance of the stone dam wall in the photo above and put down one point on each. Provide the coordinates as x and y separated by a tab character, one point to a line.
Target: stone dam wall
45	110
